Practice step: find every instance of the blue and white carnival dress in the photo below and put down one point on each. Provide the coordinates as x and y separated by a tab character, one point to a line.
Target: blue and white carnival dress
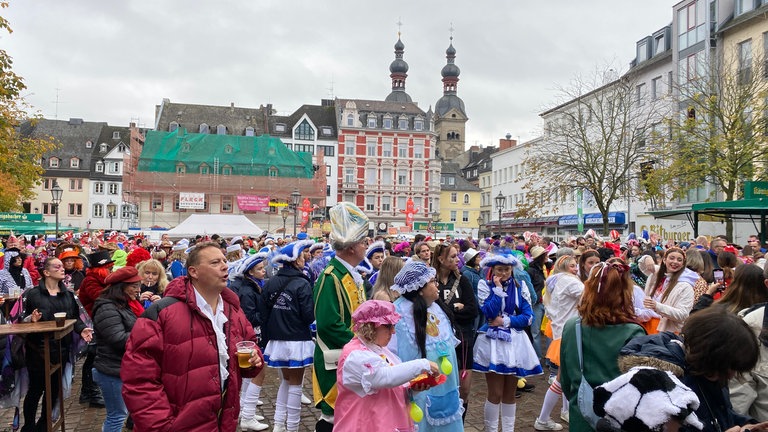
506	349
441	404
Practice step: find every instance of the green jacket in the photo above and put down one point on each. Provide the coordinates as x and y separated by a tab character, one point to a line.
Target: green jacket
600	346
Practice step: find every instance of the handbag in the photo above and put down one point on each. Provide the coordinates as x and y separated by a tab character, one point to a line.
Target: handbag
330	356
585	396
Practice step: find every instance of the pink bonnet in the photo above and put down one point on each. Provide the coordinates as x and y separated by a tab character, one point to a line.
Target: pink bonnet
377	312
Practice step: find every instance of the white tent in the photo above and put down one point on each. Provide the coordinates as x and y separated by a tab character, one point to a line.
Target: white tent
223	225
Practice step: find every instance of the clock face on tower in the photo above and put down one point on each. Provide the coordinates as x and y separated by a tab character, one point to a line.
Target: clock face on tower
382	226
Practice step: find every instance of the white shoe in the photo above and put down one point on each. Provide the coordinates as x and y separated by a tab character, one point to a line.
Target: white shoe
253	424
549	425
258	417
305	400
279	428
259	403
565	416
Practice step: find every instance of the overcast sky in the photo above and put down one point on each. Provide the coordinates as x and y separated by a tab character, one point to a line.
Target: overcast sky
114	61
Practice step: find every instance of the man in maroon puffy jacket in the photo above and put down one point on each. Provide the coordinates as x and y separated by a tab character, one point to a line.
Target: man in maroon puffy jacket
180	369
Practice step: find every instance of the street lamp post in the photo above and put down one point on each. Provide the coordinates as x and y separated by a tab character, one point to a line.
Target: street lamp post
435	221
479	225
111	209
295	198
501	202
284	213
56	193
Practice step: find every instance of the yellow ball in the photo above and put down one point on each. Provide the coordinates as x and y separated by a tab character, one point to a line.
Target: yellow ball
520	383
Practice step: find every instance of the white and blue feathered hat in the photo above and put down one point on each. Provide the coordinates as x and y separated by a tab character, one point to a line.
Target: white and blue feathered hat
374	248
316	246
413	276
501	256
365	266
292	251
252	261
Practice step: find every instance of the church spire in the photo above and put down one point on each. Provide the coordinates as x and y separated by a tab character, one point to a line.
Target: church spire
398	72
450	71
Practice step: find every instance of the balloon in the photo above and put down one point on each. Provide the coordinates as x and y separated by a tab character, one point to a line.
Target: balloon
445	366
416	413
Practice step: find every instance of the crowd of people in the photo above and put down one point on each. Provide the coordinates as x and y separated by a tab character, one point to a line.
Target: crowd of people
177	334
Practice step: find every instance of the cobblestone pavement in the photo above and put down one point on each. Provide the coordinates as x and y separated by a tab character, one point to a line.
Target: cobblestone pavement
82	418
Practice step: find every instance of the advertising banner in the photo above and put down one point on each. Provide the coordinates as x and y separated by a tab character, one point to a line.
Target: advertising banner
191	200
253	203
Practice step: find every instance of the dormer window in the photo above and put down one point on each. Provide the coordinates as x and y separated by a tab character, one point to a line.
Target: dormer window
371	121
74	163
121	148
228	149
350	120
226	170
89	144
280	127
116	135
102	148
402	123
387	121
204	129
273	171
173	126
100	166
185	147
181	168
418	124
53	162
204	170
305	132
326	130
221	130
249	131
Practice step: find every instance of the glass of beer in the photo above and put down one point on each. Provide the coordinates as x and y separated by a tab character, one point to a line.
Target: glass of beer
244	351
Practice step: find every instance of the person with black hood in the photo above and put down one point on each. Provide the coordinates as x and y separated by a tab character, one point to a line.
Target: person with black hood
14	275
538	279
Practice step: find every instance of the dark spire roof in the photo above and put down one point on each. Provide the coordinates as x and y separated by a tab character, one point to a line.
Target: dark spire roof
398	72
450	75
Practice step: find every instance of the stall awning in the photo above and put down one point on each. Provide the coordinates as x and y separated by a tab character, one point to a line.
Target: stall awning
30	228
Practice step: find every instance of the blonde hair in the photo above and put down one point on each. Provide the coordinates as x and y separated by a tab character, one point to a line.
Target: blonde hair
233	256
367	332
159	254
386	278
178	255
154	266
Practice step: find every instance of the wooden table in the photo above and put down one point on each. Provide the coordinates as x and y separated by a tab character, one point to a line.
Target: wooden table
46	329
9	301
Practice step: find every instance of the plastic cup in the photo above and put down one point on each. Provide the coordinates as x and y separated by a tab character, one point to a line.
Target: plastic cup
244	350
60	317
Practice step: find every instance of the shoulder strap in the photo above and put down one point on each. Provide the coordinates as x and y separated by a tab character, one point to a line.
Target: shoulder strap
578	345
153	312
454	289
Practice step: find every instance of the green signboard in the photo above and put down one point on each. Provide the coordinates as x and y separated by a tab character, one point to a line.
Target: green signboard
21	217
755	189
439	226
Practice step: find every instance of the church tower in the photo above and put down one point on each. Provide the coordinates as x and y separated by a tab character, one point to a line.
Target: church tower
450	116
398	70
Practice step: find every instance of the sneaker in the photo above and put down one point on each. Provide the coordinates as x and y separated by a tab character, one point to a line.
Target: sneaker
528	387
552	378
565	416
305	400
252	424
546	426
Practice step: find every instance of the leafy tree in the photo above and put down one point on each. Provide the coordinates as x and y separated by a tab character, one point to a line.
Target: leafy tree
719	136
20	169
593	141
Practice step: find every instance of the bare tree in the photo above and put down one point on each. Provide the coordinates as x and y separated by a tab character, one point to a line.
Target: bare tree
593	141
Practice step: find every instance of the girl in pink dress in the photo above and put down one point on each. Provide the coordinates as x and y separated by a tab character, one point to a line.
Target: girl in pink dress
373	383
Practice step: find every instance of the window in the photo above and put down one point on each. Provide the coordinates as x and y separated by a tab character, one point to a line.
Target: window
279	127
370	176
221	130
402	178
466	198
642	51
273	171
370	148
327	190
226	170
387	122
228	149
74	163
249	131
114	167
122	148
113	188
401	202
98	210
226	204
75	209
454	197
386	149
386	204
745	62
370	203
204	129
156	202
75	184
326	130
349	175
418	178
465	216
102	148
307	148
659	44
328	170
691	24
386	176
451	181
350	120
402	123
115	135
98	188
669	82
418	124
305	131
53	162
125	211
181	169
204	169
640	94
89	144
744	6
49	209
328	151
418	150
186	147
349	146
173	126
453	215
371	121
402	150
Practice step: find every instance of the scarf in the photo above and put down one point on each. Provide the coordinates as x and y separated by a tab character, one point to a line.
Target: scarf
136	307
18	276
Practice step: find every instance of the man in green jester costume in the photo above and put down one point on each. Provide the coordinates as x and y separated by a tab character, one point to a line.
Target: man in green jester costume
338	292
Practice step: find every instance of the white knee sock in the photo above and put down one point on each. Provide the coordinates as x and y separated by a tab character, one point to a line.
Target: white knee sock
508	412
294	408
248	405
243	388
566	405
491	414
280	403
550	399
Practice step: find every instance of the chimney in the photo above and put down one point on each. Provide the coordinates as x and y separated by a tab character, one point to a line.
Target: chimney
507	142
232	107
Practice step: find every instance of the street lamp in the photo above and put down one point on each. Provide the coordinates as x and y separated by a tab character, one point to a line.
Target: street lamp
56	192
480	221
111	210
284	213
435	221
501	202
295	198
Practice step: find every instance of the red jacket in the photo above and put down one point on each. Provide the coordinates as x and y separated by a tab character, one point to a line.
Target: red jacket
90	289
170	371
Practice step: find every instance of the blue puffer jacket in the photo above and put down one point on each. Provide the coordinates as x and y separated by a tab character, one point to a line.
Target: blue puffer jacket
250	294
